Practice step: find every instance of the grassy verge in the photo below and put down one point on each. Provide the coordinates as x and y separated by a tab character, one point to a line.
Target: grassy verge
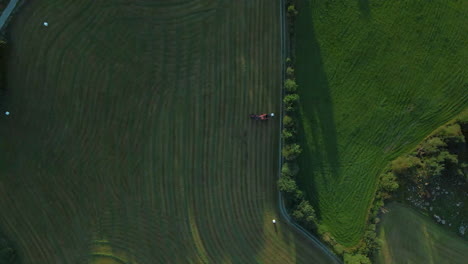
374	78
410	237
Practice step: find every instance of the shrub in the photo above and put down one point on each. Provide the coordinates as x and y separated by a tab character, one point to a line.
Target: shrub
403	165
432	146
291	151
290	101
288	121
298	195
356	259
287	134
339	249
287	185
388	182
292	11
290	73
305	214
290	169
290	85
449	130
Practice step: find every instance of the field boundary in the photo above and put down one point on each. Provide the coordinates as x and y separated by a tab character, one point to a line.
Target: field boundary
282	207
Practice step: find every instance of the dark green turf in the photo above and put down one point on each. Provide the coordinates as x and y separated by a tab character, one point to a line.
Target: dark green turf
375	77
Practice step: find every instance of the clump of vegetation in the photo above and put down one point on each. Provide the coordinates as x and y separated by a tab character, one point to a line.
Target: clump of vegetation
290	85
356	259
290	101
289	169
434	176
288	123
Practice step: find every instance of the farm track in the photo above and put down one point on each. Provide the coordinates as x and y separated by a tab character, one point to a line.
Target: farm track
129	139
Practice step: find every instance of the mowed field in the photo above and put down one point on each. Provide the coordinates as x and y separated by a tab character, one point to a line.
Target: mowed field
375	78
409	237
129	139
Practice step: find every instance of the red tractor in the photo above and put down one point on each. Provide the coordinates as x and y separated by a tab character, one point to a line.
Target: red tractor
262	117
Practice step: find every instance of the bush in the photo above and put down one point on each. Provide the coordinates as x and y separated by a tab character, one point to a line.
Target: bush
288	121
432	146
292	11
388	182
298	195
291	151
287	185
356	259
287	134
339	249
290	74
290	101
290	169
403	165
305	214
449	130
290	85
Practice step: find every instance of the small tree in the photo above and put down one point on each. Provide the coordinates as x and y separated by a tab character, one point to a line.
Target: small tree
291	151
289	169
356	259
287	134
288	122
292	12
287	185
388	182
290	85
290	73
298	195
305	214
432	146
290	101
405	164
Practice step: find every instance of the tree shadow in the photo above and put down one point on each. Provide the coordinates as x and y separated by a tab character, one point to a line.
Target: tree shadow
319	162
364	8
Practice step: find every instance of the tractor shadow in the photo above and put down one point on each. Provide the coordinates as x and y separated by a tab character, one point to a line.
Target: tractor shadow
319	162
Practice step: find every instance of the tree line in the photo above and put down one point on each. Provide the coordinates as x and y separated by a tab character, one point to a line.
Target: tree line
300	208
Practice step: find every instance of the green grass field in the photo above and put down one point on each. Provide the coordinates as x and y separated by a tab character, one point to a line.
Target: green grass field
375	77
129	139
409	237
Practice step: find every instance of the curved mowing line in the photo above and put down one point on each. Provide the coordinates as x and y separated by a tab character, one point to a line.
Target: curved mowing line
282	207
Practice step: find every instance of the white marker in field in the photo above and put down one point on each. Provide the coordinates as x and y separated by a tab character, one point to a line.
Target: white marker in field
46	24
274	221
7	113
